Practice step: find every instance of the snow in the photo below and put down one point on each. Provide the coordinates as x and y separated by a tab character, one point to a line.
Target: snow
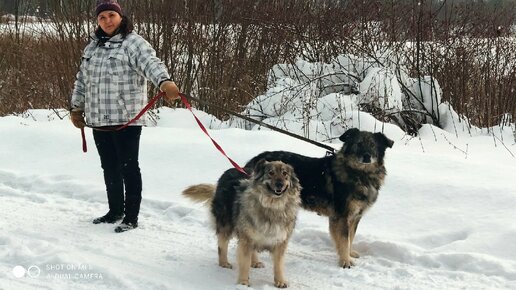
381	88
443	220
428	94
321	100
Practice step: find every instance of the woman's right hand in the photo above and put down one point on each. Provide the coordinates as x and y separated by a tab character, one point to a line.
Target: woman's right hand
171	91
77	117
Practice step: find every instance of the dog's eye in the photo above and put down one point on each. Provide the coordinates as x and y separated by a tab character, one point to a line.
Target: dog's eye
284	173
271	173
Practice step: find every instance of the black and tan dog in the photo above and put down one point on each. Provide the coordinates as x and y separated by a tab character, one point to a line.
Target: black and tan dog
341	186
261	211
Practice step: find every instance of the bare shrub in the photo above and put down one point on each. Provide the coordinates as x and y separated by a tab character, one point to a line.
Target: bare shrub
222	50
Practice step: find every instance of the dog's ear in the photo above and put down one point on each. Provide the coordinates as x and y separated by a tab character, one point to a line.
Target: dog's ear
294	181
259	168
383	140
349	134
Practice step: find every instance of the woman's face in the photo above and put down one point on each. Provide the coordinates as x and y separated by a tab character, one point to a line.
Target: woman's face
109	21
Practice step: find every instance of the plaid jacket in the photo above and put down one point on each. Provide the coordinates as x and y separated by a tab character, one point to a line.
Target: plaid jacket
111	84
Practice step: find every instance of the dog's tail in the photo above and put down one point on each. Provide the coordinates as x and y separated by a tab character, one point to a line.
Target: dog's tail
201	192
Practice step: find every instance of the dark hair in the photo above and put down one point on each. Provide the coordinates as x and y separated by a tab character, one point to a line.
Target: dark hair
126	27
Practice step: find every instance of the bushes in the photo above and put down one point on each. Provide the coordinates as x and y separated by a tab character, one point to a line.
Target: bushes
38	72
222	51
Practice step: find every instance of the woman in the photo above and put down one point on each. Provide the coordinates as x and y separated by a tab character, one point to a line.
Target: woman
111	89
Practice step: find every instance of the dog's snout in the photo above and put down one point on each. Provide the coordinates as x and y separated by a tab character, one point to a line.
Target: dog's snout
279	185
366	158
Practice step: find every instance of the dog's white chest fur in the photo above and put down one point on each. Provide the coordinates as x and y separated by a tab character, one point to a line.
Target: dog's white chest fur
266	234
266	222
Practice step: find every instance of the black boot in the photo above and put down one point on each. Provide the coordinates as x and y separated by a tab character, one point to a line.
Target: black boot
109	218
126	225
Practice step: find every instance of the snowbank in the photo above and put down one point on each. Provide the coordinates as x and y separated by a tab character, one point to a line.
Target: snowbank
320	101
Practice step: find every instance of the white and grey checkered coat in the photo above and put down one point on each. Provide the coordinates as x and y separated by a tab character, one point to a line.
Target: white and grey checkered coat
111	84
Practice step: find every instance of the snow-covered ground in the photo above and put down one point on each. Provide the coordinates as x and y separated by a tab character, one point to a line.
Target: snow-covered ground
444	219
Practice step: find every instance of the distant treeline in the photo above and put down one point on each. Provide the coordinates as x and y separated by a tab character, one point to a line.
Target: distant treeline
44	8
222	50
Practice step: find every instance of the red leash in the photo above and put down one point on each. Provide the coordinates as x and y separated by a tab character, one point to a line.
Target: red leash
142	112
189	107
84	146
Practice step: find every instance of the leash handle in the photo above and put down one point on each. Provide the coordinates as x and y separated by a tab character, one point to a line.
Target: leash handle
189	107
84	146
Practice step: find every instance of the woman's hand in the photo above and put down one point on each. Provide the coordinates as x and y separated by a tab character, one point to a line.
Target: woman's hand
171	90
77	117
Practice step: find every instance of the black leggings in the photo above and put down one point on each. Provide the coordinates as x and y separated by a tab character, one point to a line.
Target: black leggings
118	151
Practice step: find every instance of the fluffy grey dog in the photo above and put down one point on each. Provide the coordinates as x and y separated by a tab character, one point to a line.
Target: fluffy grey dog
260	210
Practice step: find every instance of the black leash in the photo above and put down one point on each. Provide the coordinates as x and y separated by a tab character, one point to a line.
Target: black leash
330	149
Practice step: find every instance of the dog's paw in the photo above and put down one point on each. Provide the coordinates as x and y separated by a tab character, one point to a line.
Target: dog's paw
258	264
226	265
243	282
354	254
280	283
346	264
